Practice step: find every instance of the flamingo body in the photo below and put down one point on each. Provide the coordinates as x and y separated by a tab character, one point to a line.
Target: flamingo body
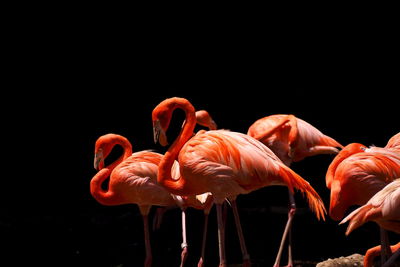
356	177
292	139
229	163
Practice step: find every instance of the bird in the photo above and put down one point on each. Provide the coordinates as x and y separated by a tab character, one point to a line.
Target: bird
221	162
201	202
291	139
382	208
356	174
133	179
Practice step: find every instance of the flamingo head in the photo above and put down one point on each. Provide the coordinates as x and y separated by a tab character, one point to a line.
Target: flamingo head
103	147
204	119
162	114
161	119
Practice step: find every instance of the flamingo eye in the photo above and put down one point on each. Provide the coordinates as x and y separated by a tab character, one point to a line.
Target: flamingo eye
363	148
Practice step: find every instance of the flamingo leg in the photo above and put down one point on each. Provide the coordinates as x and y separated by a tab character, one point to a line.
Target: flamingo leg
221	236
184	244
144	210
385	246
245	254
203	243
287	233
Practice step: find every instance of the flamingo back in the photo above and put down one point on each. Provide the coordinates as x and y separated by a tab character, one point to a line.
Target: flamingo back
135	179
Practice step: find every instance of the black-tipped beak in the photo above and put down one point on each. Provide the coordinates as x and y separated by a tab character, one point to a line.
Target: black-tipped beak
156	131
98	159
159	134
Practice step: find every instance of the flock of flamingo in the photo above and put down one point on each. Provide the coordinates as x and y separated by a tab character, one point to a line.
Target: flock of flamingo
215	166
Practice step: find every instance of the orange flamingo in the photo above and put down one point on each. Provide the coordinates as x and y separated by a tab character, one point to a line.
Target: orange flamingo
291	139
382	208
202	202
133	179
221	162
356	174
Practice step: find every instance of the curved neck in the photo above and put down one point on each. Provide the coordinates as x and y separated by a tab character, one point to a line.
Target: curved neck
104	197
108	197
178	186
127	151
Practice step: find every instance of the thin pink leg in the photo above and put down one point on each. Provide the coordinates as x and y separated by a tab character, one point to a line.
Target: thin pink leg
221	236
184	244
287	232
203	244
149	258
245	255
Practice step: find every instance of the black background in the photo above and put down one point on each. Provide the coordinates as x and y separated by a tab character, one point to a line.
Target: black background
71	83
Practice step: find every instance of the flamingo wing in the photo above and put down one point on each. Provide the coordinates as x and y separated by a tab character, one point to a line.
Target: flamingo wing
136	180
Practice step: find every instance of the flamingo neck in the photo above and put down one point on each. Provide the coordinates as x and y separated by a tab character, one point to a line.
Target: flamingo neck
104	197
178	186
127	151
108	197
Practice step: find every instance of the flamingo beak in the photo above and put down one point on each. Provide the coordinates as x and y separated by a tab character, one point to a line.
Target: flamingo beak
98	160
156	130
159	133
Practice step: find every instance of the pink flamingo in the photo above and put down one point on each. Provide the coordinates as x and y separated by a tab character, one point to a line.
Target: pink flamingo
133	179
221	162
291	139
356	174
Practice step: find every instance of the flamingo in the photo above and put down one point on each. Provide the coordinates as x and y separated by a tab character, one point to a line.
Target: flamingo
356	174
291	139
202	202
133	179
382	208
222	162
